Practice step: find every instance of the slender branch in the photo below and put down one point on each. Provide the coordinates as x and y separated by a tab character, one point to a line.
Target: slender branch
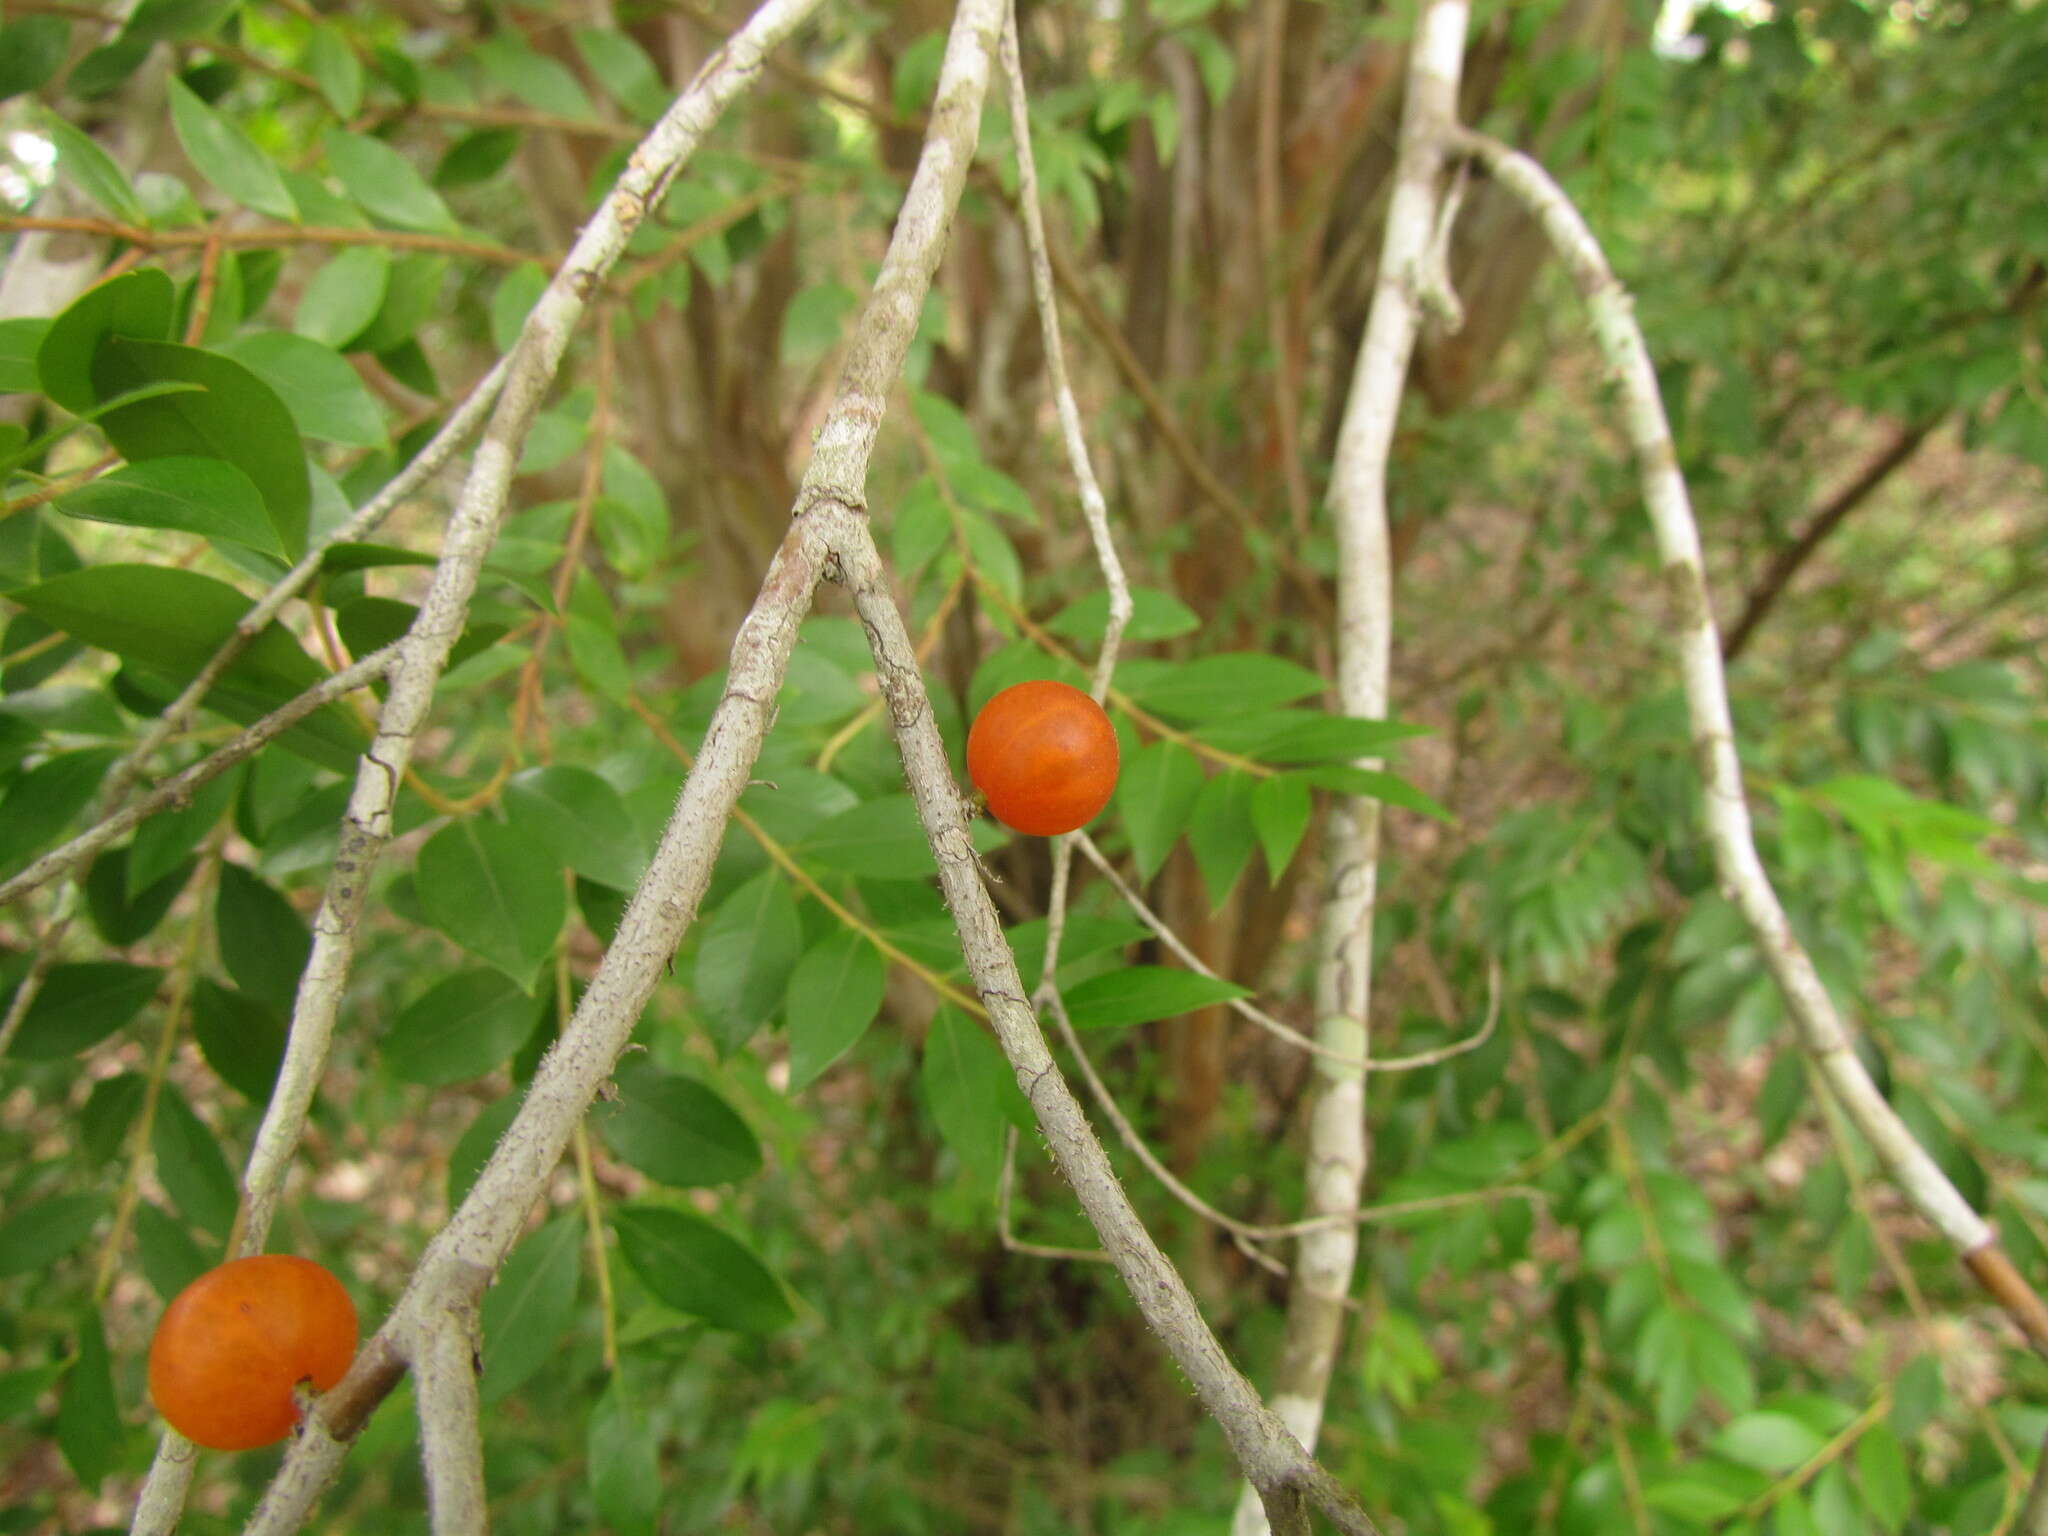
1339	1147
177	789
444	1369
2034	1515
1821	1031
1786	563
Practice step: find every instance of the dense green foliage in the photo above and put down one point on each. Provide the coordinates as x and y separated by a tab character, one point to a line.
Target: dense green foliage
1643	1279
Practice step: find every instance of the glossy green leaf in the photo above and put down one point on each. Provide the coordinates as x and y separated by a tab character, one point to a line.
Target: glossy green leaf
89	1428
1212	687
1281	807
698	1268
532	1305
1375	785
162	842
1155	615
80	1005
493	892
878	839
1221	832
462	1027
264	943
37	1236
1155	796
206	496
477	157
621	1452
970	1093
227	157
93	171
593	638
834	995
1881	1475
191	1166
39	806
1767	1441
140	304
32	49
120	917
233	416
344	296
171	1260
474	1147
242	1039
1138	994
324	395
165	21
336	69
579	818
384	182
676	1130
19	341
624	69
750	945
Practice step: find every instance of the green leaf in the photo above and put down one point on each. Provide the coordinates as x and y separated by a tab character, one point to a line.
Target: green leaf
1723	1368
109	1114
744	959
344	296
542	83
1138	994
1155	615
631	518
494	893
324	395
263	940
123	917
620	1447
812	323
336	69
93	171
140	304
531	1307
878	839
698	1268
677	1131
39	806
579	818
593	638
1834	1504
1767	1441
241	1038
477	157
191	1166
1375	785
384	182
1693	1498
834	995
1214	686
1880	1472
171	1260
1156	794
234	416
32	50
205	496
970	1093
512	301
462	1027
1220	832
89	1427
624	69
1304	736
474	1147
1281	807
80	1005
37	1236
227	157
162	842
167	21
19	340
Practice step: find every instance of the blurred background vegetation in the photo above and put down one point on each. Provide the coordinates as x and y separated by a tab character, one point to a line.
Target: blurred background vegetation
1683	1303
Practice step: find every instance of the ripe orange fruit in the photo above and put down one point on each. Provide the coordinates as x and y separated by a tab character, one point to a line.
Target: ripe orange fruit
235	1342
1044	755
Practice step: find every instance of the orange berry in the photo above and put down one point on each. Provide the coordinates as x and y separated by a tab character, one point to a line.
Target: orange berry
234	1344
1044	755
